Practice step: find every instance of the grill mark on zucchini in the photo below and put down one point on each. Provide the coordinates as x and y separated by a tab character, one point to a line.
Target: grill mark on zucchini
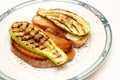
75	28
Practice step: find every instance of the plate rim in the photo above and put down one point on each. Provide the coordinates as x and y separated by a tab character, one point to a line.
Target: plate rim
102	18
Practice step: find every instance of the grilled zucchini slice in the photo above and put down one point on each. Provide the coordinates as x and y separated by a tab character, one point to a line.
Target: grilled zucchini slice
66	20
33	39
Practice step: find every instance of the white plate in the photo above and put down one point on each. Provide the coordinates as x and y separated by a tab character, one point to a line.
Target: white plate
87	58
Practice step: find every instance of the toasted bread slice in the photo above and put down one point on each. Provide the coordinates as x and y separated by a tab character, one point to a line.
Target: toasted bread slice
49	26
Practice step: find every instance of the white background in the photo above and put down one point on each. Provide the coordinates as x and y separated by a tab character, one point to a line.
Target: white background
110	70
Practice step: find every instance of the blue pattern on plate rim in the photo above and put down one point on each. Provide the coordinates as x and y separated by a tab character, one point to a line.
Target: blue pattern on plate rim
87	6
95	11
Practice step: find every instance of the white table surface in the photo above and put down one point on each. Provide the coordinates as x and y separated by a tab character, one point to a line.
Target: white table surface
110	70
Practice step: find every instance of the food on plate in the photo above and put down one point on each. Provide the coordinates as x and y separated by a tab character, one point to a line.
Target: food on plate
65	23
50	39
37	47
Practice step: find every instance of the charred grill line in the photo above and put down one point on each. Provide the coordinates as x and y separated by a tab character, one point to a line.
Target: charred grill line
17	26
19	36
49	42
37	40
37	37
16	31
21	30
27	25
27	33
23	27
32	28
75	28
58	55
31	42
27	44
42	41
36	32
42	48
83	29
26	39
37	45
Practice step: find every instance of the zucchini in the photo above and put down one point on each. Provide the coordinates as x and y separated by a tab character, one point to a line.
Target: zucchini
33	39
66	20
